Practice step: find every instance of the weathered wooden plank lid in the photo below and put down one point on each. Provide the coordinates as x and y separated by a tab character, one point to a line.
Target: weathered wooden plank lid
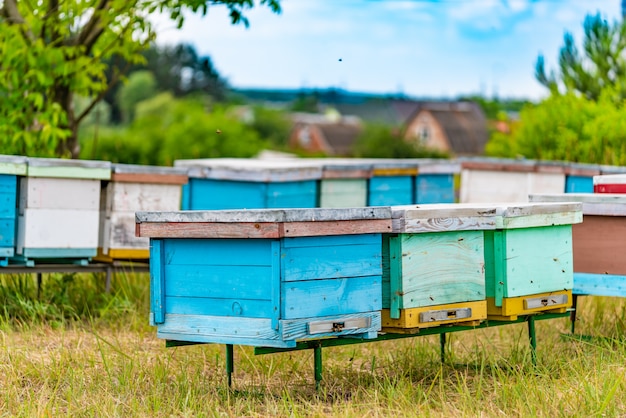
438	166
612	169
609	179
440	217
392	167
497	164
249	169
13	164
345	168
64	168
555	167
582	169
601	204
263	223
134	173
534	214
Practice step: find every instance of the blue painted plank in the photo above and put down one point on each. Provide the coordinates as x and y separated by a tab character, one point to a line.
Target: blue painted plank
578	184
434	188
7	232
7	251
211	252
332	261
59	252
599	284
358	239
292	194
8	196
206	281
222	330
157	282
389	191
331	297
232	307
225	194
185	199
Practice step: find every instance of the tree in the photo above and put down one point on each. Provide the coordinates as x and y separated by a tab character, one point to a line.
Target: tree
141	85
603	64
54	50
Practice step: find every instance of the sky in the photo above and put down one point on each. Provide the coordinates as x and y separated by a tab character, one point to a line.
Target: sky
419	48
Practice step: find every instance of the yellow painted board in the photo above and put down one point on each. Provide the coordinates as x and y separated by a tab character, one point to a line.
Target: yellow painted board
122	254
524	305
394	172
432	316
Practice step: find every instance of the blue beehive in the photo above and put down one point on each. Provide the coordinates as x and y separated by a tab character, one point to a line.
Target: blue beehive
435	181
265	277
579	177
392	182
10	168
227	183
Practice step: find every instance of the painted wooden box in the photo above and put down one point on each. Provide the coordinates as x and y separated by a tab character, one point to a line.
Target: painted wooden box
433	266
232	183
579	177
59	208
344	183
599	268
528	259
11	169
265	277
436	181
503	180
134	188
609	183
392	183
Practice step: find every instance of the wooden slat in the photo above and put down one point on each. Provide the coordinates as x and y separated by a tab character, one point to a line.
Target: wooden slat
410	318
599	284
599	204
310	229
394	171
513	307
599	245
208	230
334	173
150	178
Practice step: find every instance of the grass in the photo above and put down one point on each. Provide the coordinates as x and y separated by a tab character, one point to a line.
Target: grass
73	350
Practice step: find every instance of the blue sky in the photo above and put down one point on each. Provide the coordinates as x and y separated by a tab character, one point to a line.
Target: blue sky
422	48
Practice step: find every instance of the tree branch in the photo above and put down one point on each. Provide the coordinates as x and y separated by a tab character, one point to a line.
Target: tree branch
14	16
92	24
114	80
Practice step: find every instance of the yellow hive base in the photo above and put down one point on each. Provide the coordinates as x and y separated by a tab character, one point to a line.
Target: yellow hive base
410	323
513	307
122	254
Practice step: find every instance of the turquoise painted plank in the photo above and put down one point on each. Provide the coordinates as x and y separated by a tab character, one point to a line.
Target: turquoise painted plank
275	284
358	239
434	188
233	306
536	260
298	329
395	275
157	282
343	193
207	281
225	194
212	252
578	184
316	298
599	284
390	191
8	196
441	268
59	252
386	282
222	330
292	194
7	251
325	262
185	198
7	232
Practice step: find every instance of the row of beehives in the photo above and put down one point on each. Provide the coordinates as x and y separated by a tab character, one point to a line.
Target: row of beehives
77	210
271	277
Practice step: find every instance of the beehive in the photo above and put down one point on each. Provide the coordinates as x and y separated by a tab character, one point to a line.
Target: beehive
599	269
240	183
435	182
59	205
11	168
344	183
265	277
528	259
392	182
134	188
433	266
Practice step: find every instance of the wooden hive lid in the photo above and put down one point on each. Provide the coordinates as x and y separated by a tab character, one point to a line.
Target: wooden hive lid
438	166
13	164
601	204
263	223
393	167
345	168
441	217
249	169
582	169
535	214
498	164
609	179
65	168
134	173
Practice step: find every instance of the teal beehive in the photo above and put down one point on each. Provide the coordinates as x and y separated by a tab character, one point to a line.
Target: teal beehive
11	169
